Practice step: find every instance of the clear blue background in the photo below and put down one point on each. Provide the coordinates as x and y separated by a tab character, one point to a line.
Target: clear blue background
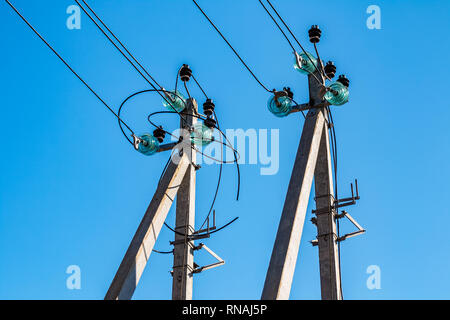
73	191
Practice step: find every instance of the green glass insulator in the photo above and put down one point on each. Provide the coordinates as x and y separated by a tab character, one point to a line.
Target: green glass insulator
337	95
283	109
177	101
149	144
306	66
201	135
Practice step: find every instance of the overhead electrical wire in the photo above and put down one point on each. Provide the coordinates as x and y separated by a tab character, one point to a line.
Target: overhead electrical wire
121	43
293	36
198	84
120	50
231	47
287	39
120	121
276	23
70	68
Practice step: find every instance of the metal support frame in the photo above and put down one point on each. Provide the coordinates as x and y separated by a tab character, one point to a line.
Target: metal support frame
178	181
312	161
219	262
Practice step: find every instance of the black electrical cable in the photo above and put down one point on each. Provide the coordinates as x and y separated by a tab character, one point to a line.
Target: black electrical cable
176	80
298	104
211	232
336	203
218	180
286	37
163	252
187	90
322	70
120	42
231	47
276	23
135	94
292	34
123	54
198	84
70	68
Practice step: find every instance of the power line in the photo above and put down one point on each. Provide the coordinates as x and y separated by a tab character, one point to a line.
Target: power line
284	34
124	55
68	66
231	47
120	42
293	36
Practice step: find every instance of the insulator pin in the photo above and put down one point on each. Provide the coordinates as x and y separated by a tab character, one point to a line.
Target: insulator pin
314	34
210	122
330	69
185	73
208	107
159	134
343	79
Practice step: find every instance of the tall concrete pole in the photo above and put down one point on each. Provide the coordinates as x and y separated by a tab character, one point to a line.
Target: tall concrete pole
326	223
285	250
138	253
313	159
183	261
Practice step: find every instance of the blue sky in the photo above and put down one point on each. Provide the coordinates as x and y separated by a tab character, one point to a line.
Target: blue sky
73	191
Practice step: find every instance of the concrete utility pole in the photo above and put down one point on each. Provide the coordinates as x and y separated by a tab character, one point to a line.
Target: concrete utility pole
313	160
178	181
138	253
183	259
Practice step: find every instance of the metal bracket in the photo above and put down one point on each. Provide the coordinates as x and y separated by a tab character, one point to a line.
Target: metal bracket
168	96
361	230
209	266
299	60
348	201
208	228
189	238
137	141
308	106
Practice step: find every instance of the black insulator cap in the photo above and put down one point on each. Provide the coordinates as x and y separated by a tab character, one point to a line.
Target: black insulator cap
185	73
314	34
330	69
159	134
208	107
209	122
342	79
290	94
